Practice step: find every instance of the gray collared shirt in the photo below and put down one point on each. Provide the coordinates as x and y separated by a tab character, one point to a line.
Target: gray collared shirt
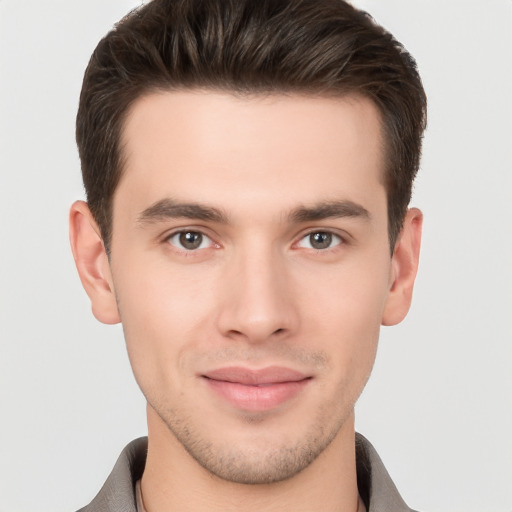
118	493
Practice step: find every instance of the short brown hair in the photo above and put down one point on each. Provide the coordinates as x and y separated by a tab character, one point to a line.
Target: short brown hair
248	46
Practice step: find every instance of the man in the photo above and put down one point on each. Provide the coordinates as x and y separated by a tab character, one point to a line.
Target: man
248	167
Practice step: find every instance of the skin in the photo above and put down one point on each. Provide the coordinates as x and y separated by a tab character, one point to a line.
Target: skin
279	172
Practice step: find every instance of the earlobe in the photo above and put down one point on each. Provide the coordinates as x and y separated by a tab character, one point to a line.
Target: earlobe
404	267
92	263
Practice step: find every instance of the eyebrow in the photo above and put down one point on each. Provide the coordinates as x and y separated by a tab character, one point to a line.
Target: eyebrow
329	209
170	209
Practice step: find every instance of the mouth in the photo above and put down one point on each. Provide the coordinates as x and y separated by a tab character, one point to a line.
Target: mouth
256	390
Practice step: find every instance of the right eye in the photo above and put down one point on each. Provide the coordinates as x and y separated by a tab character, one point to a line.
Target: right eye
189	240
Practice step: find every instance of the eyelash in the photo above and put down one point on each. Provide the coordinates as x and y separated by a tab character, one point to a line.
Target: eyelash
340	240
334	237
181	232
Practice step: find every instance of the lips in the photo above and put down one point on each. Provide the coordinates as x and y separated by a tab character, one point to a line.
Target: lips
256	390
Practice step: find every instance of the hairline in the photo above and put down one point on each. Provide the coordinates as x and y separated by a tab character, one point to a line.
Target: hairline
249	93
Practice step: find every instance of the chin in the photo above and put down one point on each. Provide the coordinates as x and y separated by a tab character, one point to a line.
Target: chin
257	450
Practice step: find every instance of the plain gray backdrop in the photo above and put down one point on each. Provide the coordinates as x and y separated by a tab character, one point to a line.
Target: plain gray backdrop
438	407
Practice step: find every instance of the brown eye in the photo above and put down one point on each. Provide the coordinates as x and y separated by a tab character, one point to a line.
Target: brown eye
189	240
320	240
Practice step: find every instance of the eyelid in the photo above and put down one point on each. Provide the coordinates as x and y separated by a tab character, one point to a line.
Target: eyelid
344	238
189	229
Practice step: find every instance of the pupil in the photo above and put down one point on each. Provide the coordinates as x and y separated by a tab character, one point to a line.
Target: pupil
320	240
191	240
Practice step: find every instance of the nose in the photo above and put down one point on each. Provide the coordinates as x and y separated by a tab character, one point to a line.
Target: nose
258	303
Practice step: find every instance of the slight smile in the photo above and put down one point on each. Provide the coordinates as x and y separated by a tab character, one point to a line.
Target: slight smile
256	390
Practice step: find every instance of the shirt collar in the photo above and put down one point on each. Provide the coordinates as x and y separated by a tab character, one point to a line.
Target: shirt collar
119	491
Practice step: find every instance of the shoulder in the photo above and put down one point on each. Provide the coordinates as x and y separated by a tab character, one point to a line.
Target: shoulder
376	488
118	492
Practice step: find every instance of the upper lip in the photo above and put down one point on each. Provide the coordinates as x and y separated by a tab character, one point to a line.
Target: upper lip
247	376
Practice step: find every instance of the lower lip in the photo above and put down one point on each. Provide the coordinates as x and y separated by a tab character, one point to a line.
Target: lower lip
257	398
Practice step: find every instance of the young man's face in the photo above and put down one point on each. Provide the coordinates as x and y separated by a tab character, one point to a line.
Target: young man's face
251	267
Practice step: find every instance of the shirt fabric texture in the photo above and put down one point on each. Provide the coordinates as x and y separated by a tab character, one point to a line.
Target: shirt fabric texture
118	494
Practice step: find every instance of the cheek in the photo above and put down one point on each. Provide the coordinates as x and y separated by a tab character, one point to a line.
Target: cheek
164	315
345	306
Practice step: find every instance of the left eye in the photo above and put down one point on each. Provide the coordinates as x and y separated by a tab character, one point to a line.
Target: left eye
190	240
320	240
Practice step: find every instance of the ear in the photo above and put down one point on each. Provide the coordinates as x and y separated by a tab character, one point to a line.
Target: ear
404	265
92	263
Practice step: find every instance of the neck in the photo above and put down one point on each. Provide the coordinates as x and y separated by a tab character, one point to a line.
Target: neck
174	481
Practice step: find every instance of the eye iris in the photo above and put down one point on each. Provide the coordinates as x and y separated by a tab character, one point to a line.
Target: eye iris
191	239
320	240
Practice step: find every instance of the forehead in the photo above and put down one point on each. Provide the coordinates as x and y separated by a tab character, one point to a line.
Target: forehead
208	146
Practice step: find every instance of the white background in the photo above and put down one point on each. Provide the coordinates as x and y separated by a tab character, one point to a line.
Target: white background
439	405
